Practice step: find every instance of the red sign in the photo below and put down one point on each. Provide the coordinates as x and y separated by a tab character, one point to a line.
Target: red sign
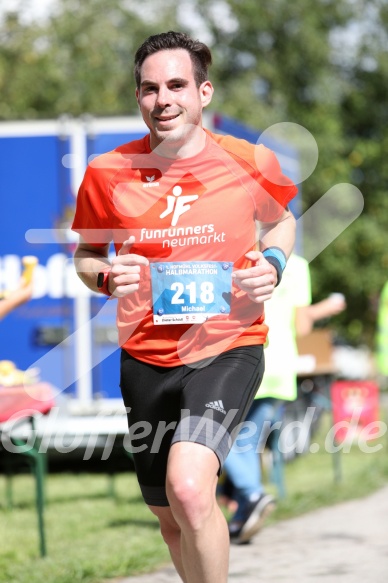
355	409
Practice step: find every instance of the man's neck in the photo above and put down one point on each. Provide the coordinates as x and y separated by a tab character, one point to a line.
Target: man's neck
188	147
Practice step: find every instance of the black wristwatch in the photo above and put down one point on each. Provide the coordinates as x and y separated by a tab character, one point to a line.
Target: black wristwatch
103	282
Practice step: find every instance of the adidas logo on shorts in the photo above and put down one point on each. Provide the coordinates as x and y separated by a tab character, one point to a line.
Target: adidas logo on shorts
217	405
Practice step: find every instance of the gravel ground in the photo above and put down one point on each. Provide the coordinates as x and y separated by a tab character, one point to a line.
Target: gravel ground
345	543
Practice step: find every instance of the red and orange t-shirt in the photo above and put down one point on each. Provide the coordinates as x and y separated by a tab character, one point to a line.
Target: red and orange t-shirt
224	189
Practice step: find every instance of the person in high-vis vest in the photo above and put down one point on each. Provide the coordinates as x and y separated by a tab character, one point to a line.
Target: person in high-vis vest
382	333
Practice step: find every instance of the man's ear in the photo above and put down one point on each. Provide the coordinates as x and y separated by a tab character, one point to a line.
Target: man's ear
137	94
206	91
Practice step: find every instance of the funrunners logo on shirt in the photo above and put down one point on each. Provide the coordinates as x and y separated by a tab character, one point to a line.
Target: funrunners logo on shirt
177	205
217	405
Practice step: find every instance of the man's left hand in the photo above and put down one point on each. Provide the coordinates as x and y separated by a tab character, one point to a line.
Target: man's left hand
258	281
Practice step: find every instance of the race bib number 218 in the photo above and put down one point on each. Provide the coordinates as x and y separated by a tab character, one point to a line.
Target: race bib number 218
190	292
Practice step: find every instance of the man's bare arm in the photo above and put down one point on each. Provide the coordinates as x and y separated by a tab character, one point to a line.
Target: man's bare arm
260	280
279	234
125	269
89	260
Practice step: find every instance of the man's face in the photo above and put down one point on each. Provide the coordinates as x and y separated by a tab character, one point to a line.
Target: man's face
169	100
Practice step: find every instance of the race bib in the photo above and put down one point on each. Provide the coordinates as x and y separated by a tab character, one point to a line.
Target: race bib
190	292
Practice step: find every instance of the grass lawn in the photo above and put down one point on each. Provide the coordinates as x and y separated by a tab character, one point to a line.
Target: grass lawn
92	536
310	479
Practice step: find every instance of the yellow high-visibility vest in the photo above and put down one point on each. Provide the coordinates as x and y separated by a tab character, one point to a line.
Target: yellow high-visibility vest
382	333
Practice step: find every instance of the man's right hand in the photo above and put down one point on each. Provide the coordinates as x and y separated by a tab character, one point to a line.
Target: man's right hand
125	274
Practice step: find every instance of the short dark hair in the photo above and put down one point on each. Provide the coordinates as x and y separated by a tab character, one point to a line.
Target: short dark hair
200	54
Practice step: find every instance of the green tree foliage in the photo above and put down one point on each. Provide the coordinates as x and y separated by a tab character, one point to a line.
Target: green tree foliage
79	61
322	65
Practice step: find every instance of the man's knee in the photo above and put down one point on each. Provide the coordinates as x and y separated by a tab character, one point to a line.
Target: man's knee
191	482
190	503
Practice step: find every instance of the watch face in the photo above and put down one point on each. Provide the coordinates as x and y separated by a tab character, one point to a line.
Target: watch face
100	279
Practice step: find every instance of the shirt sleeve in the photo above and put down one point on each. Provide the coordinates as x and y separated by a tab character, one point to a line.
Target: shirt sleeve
91	217
274	189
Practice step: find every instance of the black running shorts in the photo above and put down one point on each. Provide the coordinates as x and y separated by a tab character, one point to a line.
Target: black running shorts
203	403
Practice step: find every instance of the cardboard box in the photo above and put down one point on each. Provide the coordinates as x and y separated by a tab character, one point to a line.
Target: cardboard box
315	353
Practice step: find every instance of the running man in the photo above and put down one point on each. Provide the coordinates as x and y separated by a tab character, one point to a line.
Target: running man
180	206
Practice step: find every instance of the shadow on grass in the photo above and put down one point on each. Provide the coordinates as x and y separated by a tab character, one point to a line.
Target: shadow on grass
123	522
137	499
52	500
27	504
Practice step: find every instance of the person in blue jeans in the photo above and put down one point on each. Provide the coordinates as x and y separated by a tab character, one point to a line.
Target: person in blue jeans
244	472
289	314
